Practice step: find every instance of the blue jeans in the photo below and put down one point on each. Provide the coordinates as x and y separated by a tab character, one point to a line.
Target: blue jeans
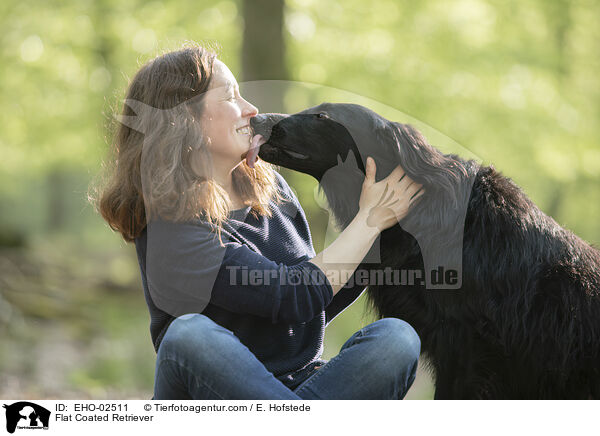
201	360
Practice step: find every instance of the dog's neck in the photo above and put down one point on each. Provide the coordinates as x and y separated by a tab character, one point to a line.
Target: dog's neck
436	222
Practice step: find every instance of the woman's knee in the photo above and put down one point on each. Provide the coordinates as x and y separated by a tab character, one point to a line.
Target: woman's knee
398	338
192	331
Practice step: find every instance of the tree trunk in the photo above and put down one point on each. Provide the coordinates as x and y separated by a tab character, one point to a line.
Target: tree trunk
263	54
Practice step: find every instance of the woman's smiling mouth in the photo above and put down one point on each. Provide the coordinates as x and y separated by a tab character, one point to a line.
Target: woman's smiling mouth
245	130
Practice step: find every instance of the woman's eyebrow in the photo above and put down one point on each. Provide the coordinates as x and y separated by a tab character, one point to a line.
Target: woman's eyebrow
224	88
229	86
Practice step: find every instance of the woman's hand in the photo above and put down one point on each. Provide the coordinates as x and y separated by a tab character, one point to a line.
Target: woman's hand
381	205
386	202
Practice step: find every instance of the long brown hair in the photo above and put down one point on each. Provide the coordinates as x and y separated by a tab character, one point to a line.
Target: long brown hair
149	174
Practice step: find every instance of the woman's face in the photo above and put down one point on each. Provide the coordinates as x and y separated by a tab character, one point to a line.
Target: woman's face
226	119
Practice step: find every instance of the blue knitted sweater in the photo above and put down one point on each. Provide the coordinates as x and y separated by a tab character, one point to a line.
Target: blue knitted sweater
260	285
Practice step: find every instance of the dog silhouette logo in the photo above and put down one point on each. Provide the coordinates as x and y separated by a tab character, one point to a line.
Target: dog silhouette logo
26	415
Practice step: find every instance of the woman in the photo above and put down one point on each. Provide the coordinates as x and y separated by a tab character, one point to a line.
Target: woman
238	299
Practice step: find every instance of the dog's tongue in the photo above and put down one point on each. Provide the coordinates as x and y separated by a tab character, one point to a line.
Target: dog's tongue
252	155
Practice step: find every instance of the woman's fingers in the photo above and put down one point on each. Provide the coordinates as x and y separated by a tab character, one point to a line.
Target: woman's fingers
417	195
387	201
396	174
383	198
413	189
389	196
405	182
407	194
401	208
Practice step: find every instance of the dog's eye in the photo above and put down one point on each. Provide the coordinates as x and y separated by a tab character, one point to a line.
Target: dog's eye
322	115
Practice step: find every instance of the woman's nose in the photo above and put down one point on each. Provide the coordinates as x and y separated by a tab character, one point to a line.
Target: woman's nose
250	110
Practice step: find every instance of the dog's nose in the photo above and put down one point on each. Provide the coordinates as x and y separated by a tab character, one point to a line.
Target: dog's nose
263	123
258	120
258	124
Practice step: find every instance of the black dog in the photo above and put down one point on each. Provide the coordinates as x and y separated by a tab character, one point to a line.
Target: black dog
519	315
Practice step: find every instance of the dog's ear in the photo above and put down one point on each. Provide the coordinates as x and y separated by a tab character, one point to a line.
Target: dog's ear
378	141
437	222
424	163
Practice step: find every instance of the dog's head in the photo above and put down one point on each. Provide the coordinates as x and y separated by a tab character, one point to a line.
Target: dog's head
332	142
311	141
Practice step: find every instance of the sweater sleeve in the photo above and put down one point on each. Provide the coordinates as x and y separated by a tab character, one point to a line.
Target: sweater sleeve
187	268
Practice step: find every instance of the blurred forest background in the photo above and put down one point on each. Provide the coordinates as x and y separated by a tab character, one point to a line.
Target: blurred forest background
514	83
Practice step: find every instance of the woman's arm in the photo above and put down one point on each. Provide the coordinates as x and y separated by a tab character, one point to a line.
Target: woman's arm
346	252
187	268
382	204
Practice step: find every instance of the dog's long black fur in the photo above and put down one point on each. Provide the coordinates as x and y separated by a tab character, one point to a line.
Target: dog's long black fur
525	322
